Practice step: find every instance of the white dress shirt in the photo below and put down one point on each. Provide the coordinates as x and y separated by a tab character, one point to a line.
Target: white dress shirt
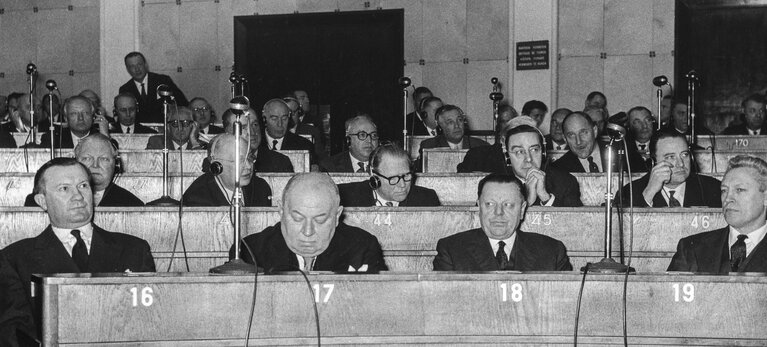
753	239
69	240
507	248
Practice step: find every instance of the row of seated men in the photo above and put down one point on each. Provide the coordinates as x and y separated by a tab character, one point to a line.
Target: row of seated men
309	236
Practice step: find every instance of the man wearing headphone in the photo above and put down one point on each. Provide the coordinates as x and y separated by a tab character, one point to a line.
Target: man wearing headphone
82	120
361	140
125	110
217	187
99	155
452	125
264	159
390	183
415	126
672	182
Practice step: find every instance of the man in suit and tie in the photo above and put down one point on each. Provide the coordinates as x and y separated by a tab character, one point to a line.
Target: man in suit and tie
740	246
536	110
415	128
298	126
499	244
143	85
217	187
390	183
263	158
555	140
82	121
203	115
672	181
182	132
584	154
276	114
361	140
125	110
641	126
424	122
679	122
309	236
753	118
72	243
452	123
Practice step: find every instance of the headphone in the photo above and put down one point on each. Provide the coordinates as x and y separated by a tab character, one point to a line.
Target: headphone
119	167
375	159
541	140
216	168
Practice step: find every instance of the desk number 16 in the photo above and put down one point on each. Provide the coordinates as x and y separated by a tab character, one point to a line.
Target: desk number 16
146	296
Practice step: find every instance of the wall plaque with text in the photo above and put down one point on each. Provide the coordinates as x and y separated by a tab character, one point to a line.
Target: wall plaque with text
533	55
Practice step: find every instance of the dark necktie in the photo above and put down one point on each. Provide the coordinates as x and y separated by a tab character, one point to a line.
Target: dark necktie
143	91
592	165
738	253
672	201
500	256
80	252
433	133
361	167
642	147
127	130
274	145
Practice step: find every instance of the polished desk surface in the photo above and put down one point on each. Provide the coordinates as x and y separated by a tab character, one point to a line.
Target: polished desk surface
447	160
503	308
134	160
408	236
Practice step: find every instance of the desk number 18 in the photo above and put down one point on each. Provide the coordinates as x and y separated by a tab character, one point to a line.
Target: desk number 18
516	292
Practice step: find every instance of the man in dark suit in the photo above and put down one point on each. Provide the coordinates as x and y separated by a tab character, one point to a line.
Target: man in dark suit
82	120
536	110
182	132
679	122
584	154
361	140
309	236
276	114
125	110
555	140
451	123
423	123
16	321
203	115
98	154
672	182
641	126
71	243
264	159
143	86
298	127
217	187
415	127
499	244
753	118
390	183
739	247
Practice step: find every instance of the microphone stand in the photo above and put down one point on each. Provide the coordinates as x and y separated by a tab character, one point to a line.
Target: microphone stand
32	136
50	126
608	264
236	266
659	96
496	96
691	79
404	82
165	200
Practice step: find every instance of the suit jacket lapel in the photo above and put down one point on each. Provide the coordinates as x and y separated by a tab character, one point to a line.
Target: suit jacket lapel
481	252
104	253
715	257
50	253
757	260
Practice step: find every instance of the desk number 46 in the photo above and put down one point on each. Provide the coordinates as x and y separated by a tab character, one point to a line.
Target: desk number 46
144	297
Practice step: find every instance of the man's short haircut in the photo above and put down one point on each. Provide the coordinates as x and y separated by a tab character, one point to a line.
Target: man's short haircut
566	111
447	108
638	109
199	98
39	186
319	180
124	95
72	99
758	98
508	108
358	117
598	109
420	91
665	134
13	96
134	54
428	100
675	102
390	149
532	105
502	178
594	94
579	114
751	162
96	136
524	128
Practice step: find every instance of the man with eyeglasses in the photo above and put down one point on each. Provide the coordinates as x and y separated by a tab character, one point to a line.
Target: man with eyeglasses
361	140
217	187
264	159
276	115
203	116
82	121
182	132
451	123
390	183
672	182
125	109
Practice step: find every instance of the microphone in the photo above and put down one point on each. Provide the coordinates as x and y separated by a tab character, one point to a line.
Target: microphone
494	80
31	69
692	75
164	91
239	105
232	77
51	85
404	82
615	131
660	81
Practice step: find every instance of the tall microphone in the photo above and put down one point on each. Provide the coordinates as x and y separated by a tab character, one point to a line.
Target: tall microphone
404	82
164	91
31	69
239	105
660	81
51	85
615	131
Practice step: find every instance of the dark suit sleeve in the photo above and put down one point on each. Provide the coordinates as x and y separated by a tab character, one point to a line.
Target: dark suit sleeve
443	261
682	260
177	93
154	142
374	257
563	261
15	313
147	260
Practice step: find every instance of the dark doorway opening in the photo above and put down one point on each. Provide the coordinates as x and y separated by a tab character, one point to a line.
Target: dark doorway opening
346	61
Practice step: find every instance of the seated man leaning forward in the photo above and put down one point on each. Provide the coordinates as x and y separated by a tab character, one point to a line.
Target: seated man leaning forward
216	187
499	244
309	236
390	183
740	246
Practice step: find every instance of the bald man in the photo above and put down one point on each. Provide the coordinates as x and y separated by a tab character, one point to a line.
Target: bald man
276	115
216	187
309	236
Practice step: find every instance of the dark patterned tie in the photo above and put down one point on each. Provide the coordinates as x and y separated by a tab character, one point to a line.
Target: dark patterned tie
143	91
500	256
672	201
274	145
592	165
362	167
643	147
80	252
127	130
738	253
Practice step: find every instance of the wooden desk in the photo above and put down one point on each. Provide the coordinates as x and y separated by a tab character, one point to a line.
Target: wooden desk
403	309
408	236
136	160
415	143
733	142
125	141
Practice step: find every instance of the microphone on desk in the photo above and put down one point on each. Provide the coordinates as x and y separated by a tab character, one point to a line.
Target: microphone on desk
31	69
660	81
239	105
164	92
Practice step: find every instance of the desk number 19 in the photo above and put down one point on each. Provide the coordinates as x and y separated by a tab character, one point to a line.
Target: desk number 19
146	296
516	292
687	292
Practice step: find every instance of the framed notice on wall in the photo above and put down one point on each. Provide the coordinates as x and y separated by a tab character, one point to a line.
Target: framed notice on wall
533	55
